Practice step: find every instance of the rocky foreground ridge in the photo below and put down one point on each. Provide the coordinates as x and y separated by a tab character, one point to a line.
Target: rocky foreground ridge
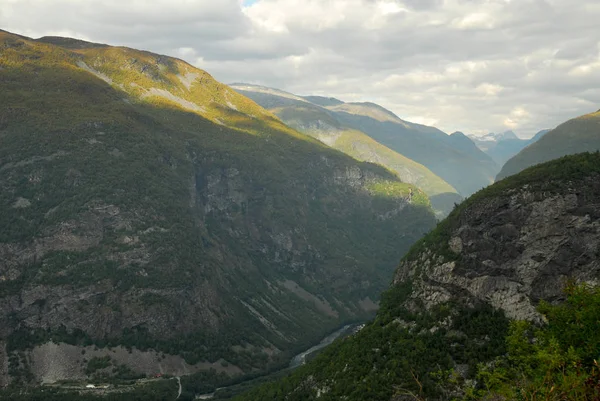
513	249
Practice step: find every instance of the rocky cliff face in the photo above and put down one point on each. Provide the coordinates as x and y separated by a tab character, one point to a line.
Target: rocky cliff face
514	249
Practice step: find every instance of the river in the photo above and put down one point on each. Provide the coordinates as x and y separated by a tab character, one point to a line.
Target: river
300	359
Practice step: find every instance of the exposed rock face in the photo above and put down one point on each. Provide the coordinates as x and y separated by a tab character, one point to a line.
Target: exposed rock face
52	362
515	249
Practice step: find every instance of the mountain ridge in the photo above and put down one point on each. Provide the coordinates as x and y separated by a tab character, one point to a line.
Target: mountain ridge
150	208
425	145
323	123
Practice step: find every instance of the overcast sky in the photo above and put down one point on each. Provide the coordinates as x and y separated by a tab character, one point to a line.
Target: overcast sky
469	65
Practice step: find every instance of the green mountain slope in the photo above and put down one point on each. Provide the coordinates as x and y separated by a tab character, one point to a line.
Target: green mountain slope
466	170
317	117
581	134
444	329
362	147
148	208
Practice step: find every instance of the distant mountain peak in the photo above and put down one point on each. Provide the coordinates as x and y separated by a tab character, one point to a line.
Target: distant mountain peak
493	137
508	135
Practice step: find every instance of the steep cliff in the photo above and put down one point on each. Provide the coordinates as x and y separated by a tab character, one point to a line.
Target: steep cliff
147	208
492	260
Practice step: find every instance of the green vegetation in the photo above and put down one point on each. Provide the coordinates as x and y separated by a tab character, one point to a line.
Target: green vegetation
578	135
96	363
386	359
554	361
399	190
136	185
557	361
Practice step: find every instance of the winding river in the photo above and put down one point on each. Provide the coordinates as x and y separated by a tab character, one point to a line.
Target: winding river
300	359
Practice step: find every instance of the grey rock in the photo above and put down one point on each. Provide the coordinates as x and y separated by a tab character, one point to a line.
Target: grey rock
515	250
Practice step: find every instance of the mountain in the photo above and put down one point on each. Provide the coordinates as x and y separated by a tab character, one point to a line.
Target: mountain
503	136
466	171
316	116
156	221
501	147
581	134
477	308
426	145
538	136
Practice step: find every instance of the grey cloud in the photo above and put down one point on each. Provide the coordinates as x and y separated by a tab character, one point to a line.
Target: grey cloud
422	4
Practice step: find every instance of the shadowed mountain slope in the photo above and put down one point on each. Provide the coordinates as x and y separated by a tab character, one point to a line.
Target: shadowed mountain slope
147	206
476	309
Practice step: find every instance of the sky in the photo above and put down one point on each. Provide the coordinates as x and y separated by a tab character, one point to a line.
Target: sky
474	66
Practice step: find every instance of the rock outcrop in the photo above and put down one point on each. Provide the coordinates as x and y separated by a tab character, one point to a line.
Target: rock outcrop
514	249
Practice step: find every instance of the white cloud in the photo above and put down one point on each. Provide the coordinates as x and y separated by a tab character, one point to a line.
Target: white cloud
489	89
516	118
474	21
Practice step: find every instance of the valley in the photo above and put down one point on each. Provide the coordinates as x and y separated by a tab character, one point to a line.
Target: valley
393	224
175	218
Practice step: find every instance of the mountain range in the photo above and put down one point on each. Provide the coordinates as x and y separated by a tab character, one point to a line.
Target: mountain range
443	165
163	236
156	221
